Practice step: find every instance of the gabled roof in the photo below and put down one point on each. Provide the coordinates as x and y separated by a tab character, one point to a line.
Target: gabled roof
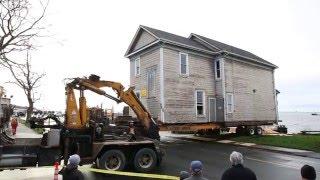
162	35
168	38
203	44
216	45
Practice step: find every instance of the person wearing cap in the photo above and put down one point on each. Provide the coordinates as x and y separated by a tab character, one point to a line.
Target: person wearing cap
308	173
196	171
238	171
71	172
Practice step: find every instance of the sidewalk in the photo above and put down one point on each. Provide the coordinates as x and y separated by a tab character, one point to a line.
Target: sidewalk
29	174
25	132
297	152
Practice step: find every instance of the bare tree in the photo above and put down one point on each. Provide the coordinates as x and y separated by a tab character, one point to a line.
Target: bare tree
18	27
26	79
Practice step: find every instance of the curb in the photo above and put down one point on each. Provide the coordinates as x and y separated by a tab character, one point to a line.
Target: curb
296	152
275	149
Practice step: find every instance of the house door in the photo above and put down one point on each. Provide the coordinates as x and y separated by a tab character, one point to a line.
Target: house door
151	74
212	109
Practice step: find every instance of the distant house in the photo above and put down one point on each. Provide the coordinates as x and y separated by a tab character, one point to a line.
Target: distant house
197	79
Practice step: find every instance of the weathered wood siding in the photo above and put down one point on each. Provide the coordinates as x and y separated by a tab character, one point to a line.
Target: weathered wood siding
179	90
144	39
242	79
148	60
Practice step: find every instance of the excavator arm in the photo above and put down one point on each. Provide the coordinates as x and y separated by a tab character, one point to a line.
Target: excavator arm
94	84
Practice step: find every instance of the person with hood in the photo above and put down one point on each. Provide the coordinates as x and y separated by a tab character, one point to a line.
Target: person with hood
238	171
71	172
196	171
14	125
308	173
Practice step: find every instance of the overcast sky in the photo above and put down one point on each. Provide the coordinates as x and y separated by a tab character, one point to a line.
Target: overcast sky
92	36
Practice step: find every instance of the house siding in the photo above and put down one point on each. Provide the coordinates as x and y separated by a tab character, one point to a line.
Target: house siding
241	79
148	60
144	39
180	105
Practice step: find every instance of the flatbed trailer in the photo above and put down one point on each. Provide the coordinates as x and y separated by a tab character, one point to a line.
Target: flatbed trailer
121	151
248	127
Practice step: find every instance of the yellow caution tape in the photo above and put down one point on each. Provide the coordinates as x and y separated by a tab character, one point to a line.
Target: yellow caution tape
132	174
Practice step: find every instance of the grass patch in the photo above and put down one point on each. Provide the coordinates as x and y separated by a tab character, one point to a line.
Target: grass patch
305	142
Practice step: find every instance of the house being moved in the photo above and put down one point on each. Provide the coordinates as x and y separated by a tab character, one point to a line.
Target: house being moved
200	80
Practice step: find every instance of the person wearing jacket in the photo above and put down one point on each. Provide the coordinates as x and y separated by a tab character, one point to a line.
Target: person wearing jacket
238	171
196	171
71	172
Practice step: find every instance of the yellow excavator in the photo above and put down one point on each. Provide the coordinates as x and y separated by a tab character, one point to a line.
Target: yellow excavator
94	141
78	118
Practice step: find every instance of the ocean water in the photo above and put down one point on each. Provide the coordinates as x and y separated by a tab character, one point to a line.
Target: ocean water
300	121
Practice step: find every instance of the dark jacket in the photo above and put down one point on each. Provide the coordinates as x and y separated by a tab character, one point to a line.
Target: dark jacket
71	173
238	172
196	177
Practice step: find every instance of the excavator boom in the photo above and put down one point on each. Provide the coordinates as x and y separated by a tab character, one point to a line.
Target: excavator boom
93	83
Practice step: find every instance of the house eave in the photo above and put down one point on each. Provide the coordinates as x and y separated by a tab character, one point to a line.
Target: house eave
209	44
187	46
250	59
142	48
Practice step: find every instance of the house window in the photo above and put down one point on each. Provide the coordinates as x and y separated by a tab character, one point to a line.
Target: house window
230	103
138	94
200	102
184	68
218	69
137	67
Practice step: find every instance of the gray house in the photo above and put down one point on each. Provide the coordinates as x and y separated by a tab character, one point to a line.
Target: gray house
197	79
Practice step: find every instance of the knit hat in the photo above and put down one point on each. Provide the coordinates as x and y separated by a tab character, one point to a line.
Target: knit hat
74	160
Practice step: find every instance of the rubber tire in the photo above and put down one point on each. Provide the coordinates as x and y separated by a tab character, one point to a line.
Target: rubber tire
105	156
240	130
258	131
142	151
250	131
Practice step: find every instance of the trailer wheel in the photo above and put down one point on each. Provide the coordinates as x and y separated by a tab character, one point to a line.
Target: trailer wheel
113	160
240	130
145	160
250	131
259	131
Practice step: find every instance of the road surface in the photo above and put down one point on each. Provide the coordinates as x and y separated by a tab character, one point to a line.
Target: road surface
215	157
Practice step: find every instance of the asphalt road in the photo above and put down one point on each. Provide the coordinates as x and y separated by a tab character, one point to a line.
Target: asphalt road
215	157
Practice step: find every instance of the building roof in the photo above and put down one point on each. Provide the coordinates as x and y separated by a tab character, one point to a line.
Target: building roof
209	45
162	35
231	49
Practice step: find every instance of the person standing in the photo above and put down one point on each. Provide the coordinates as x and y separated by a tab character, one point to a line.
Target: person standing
308	173
71	172
14	125
238	171
196	171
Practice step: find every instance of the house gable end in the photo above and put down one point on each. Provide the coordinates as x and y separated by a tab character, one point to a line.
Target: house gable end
141	39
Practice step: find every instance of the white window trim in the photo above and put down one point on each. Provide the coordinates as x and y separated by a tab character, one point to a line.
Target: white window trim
138	91
216	69
204	103
135	67
187	62
232	102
